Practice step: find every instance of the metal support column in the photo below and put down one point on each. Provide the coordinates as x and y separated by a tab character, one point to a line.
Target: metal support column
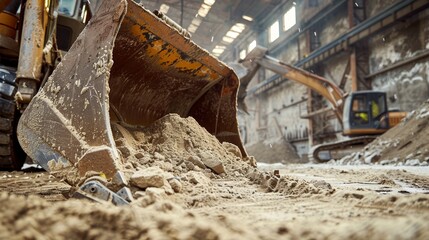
310	120
310	95
353	71
352	57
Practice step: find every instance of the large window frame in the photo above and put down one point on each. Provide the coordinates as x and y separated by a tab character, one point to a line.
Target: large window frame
252	45
274	32
243	54
289	18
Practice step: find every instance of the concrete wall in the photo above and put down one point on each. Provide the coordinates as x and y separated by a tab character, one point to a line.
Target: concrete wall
333	26
373	7
309	8
333	69
407	85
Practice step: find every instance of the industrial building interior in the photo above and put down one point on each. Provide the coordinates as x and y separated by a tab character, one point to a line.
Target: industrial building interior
356	44
214	119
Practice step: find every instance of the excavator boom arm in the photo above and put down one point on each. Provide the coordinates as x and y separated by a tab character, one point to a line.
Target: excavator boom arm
258	58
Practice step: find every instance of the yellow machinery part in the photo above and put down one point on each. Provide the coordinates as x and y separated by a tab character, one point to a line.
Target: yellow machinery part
8	24
395	118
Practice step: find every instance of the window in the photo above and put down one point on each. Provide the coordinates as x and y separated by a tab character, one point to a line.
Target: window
248	18
274	32
252	45
289	19
360	110
378	106
67	7
243	54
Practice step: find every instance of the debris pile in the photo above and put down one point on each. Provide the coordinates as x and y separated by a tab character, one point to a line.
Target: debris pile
174	155
35	218
405	144
187	185
176	151
172	165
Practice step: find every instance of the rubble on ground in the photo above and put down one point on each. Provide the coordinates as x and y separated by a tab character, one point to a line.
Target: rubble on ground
180	195
35	218
178	151
406	144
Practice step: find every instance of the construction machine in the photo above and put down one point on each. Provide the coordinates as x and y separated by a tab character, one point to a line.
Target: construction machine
364	115
71	68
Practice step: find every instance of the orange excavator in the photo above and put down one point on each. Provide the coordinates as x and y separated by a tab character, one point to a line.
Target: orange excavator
364	115
71	68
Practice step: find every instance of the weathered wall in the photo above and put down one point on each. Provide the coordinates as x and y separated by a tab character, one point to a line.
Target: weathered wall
275	114
373	7
289	53
281	104
283	110
333	69
309	8
333	26
406	85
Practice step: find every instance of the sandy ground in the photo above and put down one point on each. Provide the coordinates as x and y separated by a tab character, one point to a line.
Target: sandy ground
187	185
327	201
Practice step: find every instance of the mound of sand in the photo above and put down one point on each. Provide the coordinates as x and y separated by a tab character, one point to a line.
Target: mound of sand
184	158
35	218
181	142
278	151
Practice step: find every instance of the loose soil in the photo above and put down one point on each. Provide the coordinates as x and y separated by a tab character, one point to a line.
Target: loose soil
209	191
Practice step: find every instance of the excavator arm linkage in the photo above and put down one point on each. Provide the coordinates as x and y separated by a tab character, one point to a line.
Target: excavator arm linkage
258	58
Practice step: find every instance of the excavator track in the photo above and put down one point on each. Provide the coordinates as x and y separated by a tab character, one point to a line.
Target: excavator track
12	157
324	152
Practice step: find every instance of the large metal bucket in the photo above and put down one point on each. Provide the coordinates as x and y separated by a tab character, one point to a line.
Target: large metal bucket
131	63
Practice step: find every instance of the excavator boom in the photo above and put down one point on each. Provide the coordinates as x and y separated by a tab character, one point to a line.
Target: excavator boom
258	58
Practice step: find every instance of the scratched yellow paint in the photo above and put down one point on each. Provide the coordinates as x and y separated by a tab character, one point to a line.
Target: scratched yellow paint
187	65
205	71
166	57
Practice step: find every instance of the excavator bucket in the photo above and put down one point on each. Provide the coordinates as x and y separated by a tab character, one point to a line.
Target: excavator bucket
127	66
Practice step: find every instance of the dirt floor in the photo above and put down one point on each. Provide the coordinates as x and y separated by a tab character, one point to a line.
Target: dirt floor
310	202
187	185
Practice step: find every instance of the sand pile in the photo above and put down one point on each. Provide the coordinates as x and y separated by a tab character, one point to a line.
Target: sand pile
175	153
177	159
34	218
172	165
176	156
405	144
277	151
178	145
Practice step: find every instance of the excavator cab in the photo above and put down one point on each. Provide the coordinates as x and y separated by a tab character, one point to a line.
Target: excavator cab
365	113
73	15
